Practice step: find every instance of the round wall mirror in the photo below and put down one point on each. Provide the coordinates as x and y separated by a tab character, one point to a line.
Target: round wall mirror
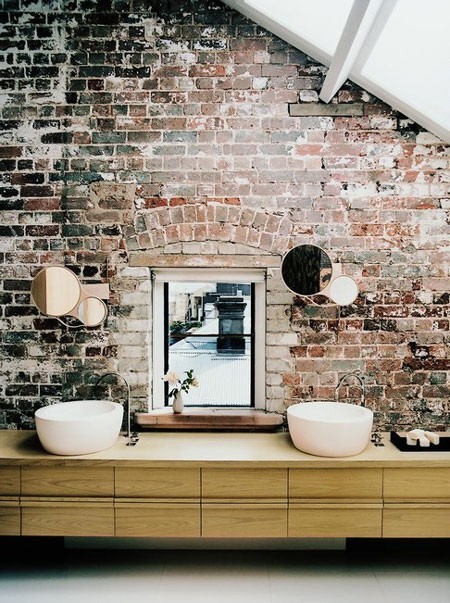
92	311
306	269
55	290
343	290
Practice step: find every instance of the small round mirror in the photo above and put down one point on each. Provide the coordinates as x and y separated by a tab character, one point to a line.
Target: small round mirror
92	311
55	290
306	269
343	290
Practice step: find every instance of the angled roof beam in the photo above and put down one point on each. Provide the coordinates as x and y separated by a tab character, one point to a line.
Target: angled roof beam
376	29
361	17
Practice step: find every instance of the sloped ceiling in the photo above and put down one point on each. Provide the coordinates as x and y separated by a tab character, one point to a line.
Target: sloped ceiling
398	50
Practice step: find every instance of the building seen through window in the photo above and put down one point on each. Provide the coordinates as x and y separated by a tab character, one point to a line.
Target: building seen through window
209	328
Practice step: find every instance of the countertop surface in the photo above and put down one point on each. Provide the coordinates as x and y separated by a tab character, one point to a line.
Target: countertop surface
200	449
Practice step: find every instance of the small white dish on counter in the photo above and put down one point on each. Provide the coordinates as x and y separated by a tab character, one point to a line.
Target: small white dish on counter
78	427
330	429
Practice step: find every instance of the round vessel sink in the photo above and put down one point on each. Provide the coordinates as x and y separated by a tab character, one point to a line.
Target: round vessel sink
79	427
329	428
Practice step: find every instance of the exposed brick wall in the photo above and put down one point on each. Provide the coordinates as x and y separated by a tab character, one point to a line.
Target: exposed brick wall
190	130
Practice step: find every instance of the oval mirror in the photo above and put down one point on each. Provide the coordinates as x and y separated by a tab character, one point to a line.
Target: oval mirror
92	311
306	269
55	290
343	290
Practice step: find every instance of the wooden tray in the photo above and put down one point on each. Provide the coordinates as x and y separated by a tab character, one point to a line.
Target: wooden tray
400	442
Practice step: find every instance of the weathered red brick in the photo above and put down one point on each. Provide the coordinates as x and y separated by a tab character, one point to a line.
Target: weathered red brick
151	202
173	233
42	204
174	201
207	71
10	152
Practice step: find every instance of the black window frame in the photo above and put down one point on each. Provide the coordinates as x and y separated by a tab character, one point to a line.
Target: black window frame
251	335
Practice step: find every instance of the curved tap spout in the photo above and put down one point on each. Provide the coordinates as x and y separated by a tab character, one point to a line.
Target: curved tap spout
361	382
128	395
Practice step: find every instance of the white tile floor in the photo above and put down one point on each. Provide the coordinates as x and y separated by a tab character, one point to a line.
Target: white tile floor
412	575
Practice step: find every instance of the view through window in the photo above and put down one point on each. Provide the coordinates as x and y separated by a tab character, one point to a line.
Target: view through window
210	329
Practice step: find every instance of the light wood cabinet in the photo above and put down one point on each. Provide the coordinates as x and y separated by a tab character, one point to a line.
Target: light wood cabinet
417	502
157	483
335	520
67	518
67	501
416	520
9	518
9	501
244	520
9	481
417	483
244	502
338	502
68	481
336	484
157	519
235	484
255	500
157	502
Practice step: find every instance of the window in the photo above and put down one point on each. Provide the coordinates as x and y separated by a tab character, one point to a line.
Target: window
211	321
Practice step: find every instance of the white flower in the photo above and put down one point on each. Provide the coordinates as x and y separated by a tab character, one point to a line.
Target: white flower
179	385
171	377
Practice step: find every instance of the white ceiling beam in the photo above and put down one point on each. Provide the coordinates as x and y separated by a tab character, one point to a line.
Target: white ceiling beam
381	18
360	19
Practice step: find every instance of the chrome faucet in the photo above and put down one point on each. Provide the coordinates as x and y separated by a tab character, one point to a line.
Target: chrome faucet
361	382
133	438
376	438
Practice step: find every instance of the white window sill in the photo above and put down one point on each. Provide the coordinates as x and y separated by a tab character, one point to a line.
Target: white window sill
210	419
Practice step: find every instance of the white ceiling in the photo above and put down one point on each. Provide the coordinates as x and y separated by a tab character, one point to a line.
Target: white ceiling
398	50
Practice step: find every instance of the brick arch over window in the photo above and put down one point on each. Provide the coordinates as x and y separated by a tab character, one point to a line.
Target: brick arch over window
222	220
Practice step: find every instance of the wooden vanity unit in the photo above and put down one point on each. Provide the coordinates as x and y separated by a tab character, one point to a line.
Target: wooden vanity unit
221	485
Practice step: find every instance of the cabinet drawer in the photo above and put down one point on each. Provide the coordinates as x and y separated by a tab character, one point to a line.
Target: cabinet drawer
9	481
335	521
244	520
68	481
157	483
241	484
9	518
335	483
416	521
67	519
417	483
147	519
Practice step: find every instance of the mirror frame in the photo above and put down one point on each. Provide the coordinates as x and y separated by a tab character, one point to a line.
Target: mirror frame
85	300
98	292
336	296
336	274
39	290
291	252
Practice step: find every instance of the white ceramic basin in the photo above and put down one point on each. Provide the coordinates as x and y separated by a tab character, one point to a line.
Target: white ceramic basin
79	427
329	428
